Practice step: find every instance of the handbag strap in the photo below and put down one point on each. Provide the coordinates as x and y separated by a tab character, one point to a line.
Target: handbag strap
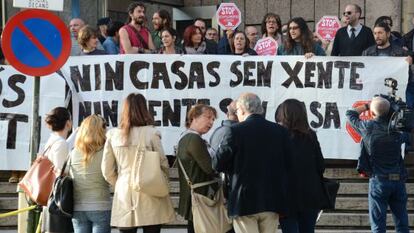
194	186
68	160
143	43
141	139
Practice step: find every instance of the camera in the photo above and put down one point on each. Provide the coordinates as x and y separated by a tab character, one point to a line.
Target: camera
401	118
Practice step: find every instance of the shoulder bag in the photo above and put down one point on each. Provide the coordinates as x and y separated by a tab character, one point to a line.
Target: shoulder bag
209	215
38	181
61	199
57	216
146	173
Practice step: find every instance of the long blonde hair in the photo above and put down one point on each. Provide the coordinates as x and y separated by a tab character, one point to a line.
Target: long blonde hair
90	137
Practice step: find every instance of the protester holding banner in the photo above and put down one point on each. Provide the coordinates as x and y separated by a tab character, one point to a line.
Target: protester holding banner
194	41
169	37
134	36
88	41
91	194
306	195
300	40
131	208
241	45
272	27
195	156
57	150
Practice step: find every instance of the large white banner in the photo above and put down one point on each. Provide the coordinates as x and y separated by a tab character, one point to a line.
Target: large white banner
173	83
16	96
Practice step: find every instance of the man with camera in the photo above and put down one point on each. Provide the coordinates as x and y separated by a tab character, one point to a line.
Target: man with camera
388	176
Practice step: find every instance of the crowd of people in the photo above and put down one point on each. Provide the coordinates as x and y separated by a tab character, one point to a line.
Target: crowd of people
273	170
294	37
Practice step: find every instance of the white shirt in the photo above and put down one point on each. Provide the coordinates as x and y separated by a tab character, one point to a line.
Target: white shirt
358	29
58	151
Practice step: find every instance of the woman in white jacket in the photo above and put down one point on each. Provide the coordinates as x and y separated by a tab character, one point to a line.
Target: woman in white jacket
132	209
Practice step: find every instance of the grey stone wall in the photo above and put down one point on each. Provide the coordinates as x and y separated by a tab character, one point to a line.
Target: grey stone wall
402	11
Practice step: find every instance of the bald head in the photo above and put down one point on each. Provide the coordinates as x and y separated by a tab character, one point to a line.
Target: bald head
75	25
380	106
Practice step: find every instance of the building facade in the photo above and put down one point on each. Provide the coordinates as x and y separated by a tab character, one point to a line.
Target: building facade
183	11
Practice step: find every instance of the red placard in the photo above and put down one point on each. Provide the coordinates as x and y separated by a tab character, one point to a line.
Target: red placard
266	46
366	115
52	45
228	16
327	27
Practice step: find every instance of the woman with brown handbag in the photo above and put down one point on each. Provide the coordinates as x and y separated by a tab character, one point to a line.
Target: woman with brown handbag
59	121
132	208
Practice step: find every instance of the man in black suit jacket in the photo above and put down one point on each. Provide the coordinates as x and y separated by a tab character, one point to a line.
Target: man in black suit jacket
351	40
254	155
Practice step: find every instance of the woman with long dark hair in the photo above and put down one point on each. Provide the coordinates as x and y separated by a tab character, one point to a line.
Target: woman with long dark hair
131	208
300	40
306	171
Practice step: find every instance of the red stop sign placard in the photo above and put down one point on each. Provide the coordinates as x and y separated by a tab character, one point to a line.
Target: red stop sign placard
266	46
228	16
366	115
327	27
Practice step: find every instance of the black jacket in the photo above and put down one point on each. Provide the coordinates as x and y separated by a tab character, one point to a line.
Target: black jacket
396	51
408	40
305	175
254	154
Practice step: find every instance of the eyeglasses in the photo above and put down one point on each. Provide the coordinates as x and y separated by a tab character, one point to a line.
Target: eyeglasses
347	13
294	28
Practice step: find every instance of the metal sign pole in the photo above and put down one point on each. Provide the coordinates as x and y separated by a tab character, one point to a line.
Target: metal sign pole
33	217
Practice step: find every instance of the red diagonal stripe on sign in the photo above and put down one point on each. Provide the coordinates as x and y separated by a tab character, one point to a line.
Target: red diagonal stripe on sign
36	42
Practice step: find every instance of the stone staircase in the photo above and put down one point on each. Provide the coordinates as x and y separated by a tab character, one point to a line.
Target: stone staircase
350	215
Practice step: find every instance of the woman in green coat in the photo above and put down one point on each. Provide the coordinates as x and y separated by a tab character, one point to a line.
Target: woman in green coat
193	152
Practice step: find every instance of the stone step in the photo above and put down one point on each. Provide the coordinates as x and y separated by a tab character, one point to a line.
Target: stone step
335	173
346	188
334	220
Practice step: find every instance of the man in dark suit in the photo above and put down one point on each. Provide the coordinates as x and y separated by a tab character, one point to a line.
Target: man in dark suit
254	155
351	40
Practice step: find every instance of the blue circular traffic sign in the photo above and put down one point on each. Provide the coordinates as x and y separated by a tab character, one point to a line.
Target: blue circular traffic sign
36	42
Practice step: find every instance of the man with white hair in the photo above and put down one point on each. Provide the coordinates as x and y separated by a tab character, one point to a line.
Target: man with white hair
388	174
254	155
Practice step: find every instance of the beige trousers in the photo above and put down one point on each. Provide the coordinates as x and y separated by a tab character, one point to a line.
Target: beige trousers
264	222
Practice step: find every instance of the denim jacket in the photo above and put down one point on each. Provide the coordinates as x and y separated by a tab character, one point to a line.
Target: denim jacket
381	150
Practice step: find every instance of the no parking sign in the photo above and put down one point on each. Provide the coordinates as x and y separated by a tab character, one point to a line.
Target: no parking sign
36	42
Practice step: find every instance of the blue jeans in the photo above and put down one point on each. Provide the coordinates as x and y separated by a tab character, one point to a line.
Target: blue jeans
384	192
92	221
300	222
